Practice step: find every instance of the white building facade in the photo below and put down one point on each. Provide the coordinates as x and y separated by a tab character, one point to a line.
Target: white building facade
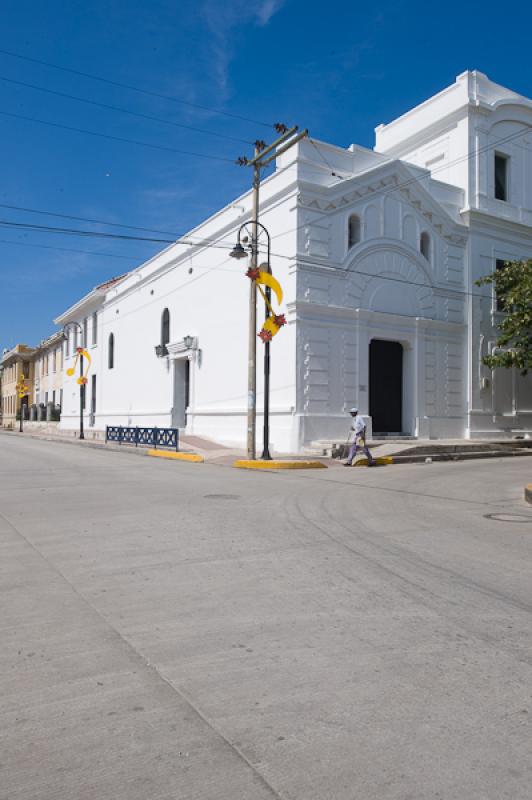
377	253
82	324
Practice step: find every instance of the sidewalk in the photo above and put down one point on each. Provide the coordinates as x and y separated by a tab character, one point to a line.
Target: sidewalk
212	452
401	451
415	451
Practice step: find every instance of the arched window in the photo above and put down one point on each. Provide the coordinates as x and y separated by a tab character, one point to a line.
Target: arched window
111	351
165	328
353	230
424	245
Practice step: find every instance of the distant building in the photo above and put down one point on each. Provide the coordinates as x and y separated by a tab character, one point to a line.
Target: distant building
87	332
377	252
15	363
48	372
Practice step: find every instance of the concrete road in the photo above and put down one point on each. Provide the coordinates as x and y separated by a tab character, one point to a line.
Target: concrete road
174	631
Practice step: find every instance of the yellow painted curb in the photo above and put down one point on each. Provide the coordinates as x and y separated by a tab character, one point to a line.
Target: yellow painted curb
363	462
244	464
528	493
176	456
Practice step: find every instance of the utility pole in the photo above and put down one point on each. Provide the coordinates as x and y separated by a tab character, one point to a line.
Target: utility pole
252	348
263	155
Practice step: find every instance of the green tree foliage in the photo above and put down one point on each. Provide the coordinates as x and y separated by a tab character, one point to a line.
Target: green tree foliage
513	287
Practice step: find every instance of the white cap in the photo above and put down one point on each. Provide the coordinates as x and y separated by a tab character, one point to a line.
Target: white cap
353	410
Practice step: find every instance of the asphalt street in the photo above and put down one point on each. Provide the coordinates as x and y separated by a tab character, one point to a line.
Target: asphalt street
174	631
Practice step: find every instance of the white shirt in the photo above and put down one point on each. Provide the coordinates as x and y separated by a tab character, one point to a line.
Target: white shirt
358	425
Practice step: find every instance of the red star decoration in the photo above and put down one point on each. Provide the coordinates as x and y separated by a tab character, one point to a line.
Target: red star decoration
279	319
253	273
266	336
79	349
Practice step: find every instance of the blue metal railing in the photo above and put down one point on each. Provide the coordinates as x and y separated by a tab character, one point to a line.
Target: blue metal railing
153	437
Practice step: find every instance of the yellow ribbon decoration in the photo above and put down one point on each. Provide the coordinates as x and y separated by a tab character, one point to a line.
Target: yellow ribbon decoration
80	351
270	326
268	280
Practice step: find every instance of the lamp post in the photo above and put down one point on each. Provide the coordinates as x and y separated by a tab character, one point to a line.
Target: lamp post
81	385
22	391
239	252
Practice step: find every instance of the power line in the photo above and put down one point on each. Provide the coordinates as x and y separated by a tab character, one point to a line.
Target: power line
117	138
77	232
141	259
87	219
356	271
322	156
178	238
158	298
208	270
327	265
123	110
133	88
189	240
72	250
412	180
30	226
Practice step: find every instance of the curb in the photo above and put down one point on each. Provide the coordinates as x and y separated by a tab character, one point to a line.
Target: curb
245	464
177	456
95	444
474	456
363	462
528	493
434	457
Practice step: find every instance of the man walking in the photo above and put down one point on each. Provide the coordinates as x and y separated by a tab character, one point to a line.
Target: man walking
359	440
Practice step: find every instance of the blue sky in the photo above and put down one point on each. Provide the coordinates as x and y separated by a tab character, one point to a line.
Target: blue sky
337	68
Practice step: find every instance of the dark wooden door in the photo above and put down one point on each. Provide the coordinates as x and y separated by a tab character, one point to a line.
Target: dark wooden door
386	386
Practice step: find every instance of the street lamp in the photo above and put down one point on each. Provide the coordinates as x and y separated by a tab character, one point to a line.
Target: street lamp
81	377
238	252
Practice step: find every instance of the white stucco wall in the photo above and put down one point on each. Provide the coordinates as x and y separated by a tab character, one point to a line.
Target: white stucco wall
70	412
381	288
455	135
206	293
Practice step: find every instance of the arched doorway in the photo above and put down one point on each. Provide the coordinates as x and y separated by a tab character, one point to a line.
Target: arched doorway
386	386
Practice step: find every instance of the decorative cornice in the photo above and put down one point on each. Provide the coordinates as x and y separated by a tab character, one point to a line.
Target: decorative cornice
316	312
485	219
329	199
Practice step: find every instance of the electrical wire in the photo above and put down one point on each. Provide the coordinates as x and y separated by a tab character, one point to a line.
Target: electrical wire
72	250
523	132
379	276
211	243
89	219
158	298
124	110
117	138
324	264
133	88
325	161
77	232
178	238
29	226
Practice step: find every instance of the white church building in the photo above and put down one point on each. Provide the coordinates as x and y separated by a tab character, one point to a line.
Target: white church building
377	252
